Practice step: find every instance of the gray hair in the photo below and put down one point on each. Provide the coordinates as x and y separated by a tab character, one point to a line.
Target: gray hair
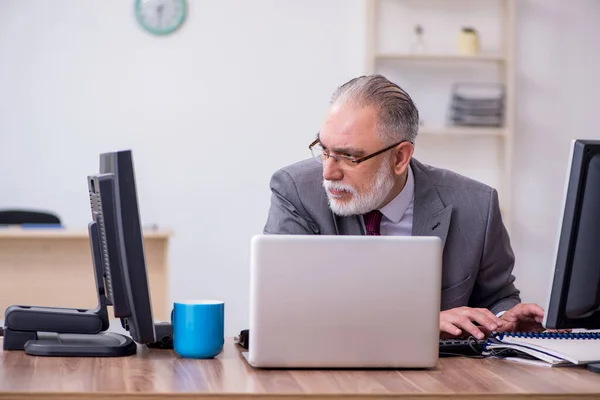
398	117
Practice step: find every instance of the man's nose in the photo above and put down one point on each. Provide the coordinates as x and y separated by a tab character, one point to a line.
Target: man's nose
332	170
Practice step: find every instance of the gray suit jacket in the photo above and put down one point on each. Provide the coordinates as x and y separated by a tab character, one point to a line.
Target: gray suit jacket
477	259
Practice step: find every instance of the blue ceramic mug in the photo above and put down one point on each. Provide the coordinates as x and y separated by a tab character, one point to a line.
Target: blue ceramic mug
198	328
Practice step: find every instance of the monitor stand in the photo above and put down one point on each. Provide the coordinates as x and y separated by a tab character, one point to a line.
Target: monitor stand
53	331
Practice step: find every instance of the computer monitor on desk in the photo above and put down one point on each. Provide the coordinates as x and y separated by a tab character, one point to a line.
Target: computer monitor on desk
118	257
574	300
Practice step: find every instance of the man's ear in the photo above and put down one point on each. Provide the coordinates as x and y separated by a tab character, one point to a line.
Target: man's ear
402	156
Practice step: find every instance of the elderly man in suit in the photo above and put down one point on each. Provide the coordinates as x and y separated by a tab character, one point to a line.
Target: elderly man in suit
363	180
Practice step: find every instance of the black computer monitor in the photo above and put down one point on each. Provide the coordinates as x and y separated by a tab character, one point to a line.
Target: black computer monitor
574	300
117	215
118	257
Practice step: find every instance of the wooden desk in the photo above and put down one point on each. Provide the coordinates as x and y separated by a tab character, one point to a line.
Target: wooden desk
53	267
162	374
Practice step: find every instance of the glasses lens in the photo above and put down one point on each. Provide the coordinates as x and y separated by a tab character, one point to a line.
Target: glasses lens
317	152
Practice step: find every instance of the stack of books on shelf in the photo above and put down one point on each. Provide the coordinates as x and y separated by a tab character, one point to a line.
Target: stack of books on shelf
477	104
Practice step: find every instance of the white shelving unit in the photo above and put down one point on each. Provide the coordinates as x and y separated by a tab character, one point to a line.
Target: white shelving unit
483	153
441	57
460	131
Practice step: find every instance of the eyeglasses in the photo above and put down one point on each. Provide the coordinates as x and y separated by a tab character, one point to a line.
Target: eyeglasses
321	155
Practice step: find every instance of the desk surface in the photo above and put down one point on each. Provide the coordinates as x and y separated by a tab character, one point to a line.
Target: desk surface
154	371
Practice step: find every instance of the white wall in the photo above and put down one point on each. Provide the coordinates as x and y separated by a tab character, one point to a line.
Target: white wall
209	112
557	101
212	111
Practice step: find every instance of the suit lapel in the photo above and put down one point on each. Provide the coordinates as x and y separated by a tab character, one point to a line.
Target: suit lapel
430	216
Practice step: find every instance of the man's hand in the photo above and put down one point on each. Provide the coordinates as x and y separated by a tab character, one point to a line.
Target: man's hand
460	322
523	318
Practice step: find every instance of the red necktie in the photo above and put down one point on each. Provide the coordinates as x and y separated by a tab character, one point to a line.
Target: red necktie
372	221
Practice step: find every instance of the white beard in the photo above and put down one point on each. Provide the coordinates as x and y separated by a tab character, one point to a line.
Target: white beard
361	203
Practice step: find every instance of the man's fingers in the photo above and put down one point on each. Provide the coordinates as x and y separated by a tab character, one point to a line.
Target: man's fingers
484	318
532	310
464	323
468	326
495	320
479	322
448	327
559	330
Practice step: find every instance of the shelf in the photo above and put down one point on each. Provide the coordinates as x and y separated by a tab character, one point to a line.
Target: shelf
497	58
67	233
459	131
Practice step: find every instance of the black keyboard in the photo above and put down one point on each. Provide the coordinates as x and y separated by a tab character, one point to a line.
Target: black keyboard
461	347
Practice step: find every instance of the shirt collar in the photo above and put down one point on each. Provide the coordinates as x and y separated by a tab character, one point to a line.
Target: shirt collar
395	209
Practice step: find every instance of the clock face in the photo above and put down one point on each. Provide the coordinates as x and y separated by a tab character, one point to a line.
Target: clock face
160	17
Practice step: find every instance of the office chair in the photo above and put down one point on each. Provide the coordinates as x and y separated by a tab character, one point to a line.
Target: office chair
20	217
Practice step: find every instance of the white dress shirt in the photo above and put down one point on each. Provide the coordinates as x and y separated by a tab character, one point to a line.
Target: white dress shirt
397	219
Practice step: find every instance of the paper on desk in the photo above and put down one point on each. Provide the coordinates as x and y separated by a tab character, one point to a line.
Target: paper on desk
537	363
546	358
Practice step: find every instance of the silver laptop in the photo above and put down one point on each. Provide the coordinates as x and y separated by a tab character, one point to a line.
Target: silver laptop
344	301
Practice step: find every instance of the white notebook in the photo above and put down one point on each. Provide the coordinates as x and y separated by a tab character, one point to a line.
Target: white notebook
549	347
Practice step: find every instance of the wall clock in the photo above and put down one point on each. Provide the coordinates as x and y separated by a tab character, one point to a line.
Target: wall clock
160	17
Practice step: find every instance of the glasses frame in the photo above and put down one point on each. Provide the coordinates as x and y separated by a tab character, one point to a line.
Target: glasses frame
353	160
